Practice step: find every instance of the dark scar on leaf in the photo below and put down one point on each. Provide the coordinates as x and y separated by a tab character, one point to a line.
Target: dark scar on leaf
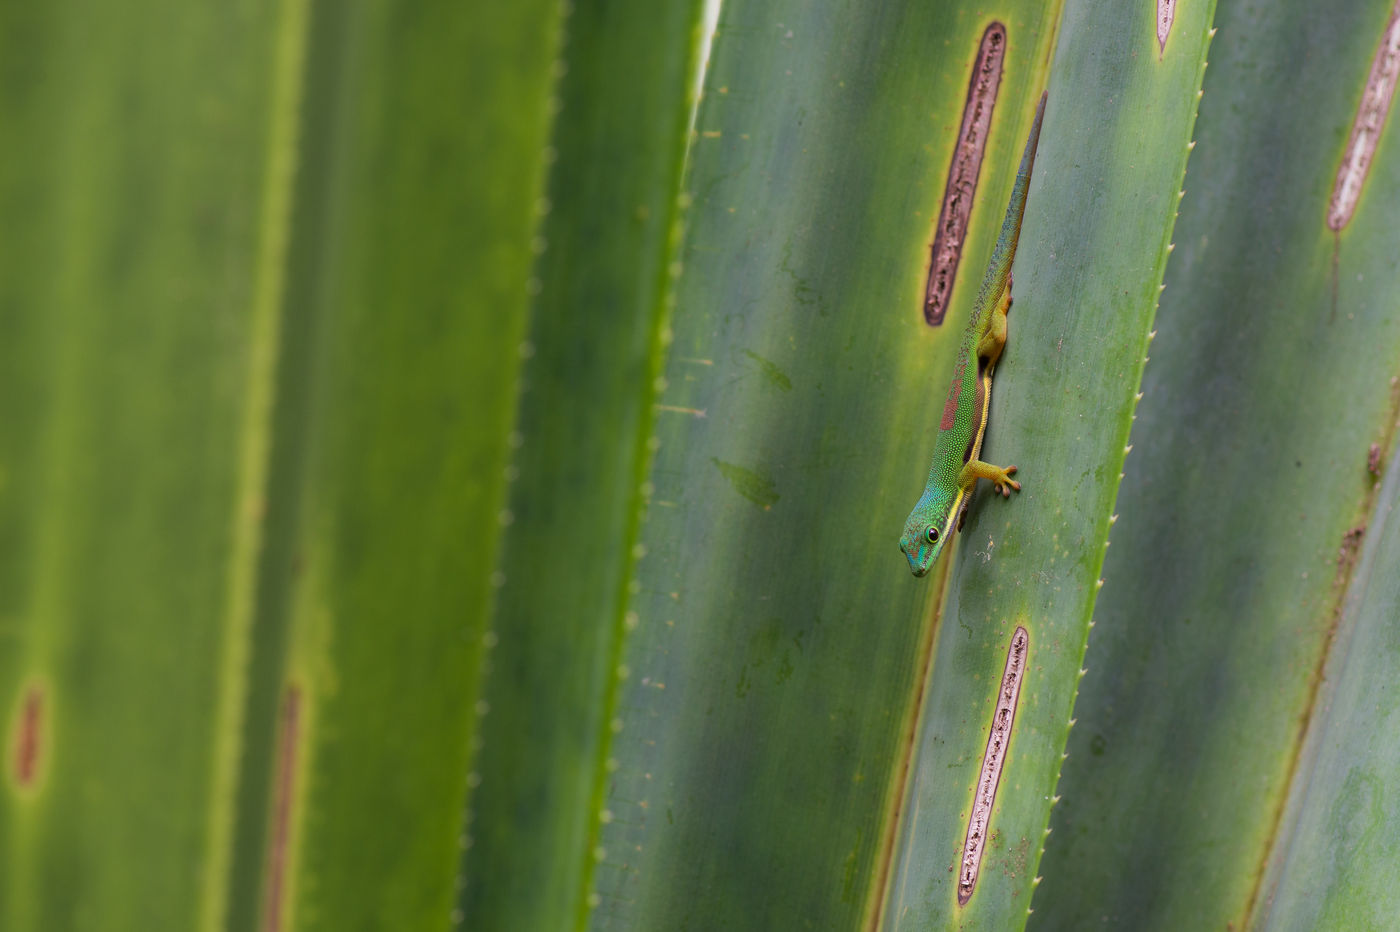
951	232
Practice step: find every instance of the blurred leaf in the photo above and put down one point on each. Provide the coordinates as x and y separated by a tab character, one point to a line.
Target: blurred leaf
141	196
208	352
423	133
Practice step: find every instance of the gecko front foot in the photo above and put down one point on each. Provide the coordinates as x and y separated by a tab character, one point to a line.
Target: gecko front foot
1003	482
999	478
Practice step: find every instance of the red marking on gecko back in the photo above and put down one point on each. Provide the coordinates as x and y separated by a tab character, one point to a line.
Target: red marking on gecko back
950	407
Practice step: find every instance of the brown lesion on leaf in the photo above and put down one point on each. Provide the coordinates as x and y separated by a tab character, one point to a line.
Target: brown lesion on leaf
951	232
1373	460
1166	15
28	745
998	741
1366	128
1350	548
283	799
1017	859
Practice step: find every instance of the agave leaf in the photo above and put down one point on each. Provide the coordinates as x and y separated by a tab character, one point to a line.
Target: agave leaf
293	291
1095	241
1333	863
142	193
772	663
617	145
255	300
1270	379
408	274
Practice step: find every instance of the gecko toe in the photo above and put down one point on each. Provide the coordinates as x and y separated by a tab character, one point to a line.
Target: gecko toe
1005	483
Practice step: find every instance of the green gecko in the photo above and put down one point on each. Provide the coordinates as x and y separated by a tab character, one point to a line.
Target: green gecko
956	468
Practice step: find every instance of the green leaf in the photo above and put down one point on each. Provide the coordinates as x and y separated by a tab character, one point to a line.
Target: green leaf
441	486
1095	241
1270	379
1333	864
608	240
262	305
404	313
771	668
143	194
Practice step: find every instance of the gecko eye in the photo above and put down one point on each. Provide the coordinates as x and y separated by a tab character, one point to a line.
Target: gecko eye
933	535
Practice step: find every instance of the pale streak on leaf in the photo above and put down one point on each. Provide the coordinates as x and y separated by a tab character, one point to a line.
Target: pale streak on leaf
998	740
1367	127
1166	14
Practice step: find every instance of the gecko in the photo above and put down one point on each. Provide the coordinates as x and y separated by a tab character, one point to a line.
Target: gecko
956	468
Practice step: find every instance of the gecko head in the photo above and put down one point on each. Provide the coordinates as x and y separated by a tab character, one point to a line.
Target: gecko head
930	524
